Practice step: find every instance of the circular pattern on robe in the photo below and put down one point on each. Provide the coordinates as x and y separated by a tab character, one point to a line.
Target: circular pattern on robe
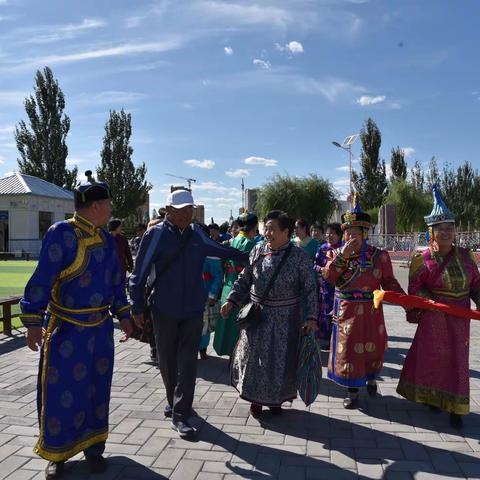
377	364
91	391
69	301
370	347
78	419
85	279
359	309
79	371
66	349
377	273
381	329
36	293
69	239
55	252
101	411
66	399
94	317
54	426
347	329
99	254
52	375
96	300
91	344
340	348
102	365
359	348
348	368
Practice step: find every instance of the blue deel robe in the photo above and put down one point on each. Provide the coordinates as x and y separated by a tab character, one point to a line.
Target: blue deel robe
76	288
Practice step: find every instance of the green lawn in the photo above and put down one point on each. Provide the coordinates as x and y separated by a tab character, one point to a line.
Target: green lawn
14	274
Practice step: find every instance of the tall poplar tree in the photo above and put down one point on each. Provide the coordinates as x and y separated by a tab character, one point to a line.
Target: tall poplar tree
42	143
371	183
398	164
127	182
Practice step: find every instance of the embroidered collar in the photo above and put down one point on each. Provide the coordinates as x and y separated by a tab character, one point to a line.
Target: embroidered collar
84	224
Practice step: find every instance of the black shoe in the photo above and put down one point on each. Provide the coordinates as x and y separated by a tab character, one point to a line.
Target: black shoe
54	470
184	429
456	421
203	354
372	389
350	401
255	410
434	409
96	463
168	411
276	410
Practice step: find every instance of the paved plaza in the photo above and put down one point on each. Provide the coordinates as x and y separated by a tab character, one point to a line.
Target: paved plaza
387	437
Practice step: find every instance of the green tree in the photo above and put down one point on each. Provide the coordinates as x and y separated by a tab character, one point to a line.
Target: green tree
411	206
417	177
460	190
127	182
312	198
433	175
398	164
42	144
371	184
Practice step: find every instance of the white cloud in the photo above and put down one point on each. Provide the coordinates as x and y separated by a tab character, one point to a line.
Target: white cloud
108	97
119	50
408	151
208	164
6	129
267	162
228	51
9	173
365	100
12	98
265	64
342	182
343	168
238	173
2	159
294	47
330	88
243	14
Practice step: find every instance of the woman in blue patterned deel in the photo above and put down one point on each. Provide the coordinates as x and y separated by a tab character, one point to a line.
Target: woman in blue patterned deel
76	288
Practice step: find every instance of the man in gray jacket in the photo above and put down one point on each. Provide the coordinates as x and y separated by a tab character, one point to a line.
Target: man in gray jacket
177	250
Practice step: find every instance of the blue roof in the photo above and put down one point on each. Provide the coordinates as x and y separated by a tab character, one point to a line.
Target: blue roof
21	184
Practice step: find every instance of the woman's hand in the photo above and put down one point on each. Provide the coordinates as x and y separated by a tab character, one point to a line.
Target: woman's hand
311	326
350	247
226	309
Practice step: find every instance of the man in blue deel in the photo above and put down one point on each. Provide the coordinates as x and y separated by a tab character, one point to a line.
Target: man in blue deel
177	249
67	308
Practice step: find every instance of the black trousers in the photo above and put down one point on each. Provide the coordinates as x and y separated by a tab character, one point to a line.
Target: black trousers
177	341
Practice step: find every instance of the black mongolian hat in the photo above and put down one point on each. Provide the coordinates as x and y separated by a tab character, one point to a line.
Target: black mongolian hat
356	217
91	190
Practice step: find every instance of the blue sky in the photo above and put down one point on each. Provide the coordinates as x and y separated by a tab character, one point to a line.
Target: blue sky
224	89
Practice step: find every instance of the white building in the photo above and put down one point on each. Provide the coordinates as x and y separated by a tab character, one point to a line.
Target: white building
28	206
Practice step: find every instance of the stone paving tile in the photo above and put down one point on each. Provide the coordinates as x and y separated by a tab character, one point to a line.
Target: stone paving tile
386	437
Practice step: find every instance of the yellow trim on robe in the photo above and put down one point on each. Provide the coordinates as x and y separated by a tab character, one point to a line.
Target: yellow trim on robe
416	264
81	310
79	323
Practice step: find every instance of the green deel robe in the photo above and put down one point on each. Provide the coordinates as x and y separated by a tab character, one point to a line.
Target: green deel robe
226	330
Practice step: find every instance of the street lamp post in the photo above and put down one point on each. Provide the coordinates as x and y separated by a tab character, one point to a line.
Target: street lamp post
347	146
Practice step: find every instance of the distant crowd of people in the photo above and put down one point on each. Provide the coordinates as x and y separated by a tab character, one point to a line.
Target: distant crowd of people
260	292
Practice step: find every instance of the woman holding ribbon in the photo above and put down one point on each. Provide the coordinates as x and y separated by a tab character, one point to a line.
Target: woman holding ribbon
359	337
436	370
